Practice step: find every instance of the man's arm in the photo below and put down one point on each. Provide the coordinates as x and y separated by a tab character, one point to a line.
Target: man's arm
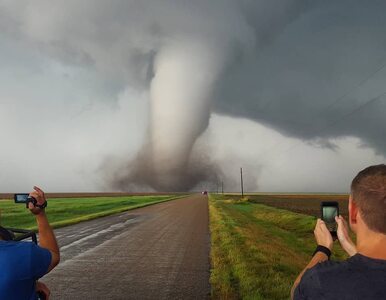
43	289
47	238
323	238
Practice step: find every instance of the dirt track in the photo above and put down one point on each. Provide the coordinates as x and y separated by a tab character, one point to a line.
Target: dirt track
156	252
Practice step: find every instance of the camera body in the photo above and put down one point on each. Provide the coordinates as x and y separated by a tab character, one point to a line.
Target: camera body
24	199
21	198
329	210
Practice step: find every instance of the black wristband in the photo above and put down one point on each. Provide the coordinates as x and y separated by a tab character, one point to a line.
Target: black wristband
35	203
42	206
322	249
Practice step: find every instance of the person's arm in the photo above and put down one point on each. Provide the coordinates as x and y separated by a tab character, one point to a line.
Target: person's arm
42	288
47	238
344	237
323	238
317	258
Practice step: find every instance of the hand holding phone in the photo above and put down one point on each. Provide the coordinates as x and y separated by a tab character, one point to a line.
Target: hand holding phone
344	237
322	235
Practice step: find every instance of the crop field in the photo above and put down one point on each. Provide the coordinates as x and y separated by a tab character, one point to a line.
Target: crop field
261	243
304	204
66	211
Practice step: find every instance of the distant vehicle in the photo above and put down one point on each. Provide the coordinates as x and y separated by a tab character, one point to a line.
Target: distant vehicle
204	193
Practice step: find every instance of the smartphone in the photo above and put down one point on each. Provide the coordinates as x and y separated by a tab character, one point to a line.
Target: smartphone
21	198
329	210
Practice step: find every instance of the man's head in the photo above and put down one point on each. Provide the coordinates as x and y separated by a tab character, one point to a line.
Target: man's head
368	199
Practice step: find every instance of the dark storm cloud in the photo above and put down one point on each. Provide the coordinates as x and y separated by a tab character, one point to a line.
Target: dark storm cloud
310	80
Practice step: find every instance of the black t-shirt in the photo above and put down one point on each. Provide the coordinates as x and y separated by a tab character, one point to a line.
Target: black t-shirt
358	277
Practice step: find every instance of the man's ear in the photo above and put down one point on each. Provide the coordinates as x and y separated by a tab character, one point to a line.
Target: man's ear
353	213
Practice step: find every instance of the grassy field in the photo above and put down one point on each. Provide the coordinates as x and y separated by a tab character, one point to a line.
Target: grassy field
258	250
66	211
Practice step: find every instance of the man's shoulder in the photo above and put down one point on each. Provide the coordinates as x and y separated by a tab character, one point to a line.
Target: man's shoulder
357	277
313	283
329	267
353	264
16	245
27	249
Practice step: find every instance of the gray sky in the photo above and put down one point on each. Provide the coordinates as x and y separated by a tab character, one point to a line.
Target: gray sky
171	94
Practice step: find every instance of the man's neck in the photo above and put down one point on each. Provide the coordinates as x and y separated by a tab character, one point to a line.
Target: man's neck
372	244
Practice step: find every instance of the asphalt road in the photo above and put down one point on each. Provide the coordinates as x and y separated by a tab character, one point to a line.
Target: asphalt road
156	252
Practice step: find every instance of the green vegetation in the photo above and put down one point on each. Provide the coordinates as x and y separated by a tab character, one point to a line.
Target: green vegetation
258	251
66	211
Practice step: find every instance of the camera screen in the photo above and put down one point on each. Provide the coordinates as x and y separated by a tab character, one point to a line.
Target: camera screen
329	214
21	198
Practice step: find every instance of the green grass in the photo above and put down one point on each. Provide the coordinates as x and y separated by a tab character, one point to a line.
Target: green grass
258	251
65	211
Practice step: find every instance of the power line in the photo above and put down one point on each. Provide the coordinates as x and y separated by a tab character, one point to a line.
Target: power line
360	107
363	81
356	86
348	92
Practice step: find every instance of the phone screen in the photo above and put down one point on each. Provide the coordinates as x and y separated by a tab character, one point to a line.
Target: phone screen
329	213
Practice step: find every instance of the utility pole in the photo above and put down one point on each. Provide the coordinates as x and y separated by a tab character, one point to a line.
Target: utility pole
222	187
242	183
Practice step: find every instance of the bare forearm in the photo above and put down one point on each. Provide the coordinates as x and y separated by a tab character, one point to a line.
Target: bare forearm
46	234
317	258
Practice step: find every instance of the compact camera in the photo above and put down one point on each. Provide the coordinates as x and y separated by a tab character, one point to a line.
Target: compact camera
24	198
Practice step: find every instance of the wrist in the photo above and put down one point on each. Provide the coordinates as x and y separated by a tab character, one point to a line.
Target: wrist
41	214
323	249
351	249
329	246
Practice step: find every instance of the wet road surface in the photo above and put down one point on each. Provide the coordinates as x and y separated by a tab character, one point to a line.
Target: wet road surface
156	252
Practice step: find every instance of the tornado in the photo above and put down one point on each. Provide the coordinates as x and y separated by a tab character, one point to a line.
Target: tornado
180	103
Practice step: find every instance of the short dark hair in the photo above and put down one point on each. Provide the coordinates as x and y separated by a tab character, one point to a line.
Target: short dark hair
368	190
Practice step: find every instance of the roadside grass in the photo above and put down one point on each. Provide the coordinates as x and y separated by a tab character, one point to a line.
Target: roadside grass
258	251
66	211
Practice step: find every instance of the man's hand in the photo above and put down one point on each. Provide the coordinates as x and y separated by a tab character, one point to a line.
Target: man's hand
42	288
322	235
38	194
343	236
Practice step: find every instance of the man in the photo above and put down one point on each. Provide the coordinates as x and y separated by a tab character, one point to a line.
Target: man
363	275
23	263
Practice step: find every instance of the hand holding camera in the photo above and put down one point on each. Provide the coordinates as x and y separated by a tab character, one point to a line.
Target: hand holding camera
41	202
35	201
